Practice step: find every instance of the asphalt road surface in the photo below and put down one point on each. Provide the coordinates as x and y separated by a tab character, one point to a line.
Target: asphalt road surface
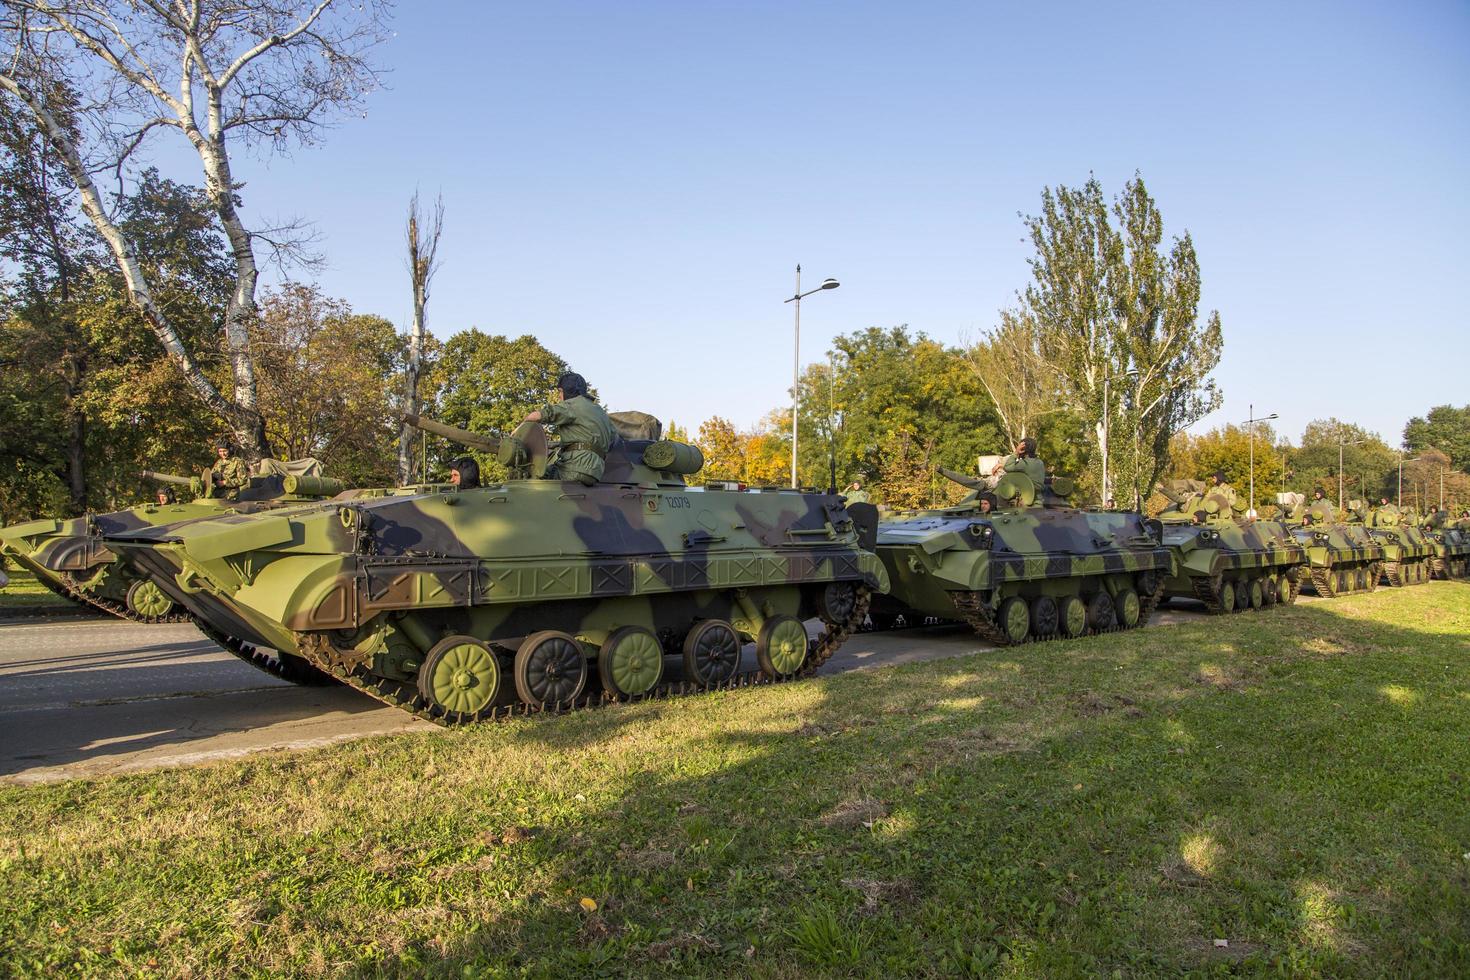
83	696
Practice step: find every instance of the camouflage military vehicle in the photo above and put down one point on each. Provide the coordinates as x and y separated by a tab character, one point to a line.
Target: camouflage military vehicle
1451	544
68	555
456	602
1224	560
1408	554
1035	568
1342	557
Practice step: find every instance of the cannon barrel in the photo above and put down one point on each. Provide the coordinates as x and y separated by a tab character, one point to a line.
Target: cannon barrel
487	444
182	481
313	486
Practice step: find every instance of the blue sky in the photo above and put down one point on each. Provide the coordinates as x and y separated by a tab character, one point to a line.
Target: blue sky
634	182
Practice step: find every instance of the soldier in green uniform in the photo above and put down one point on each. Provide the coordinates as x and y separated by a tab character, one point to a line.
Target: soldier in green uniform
1219	486
229	474
1023	460
855	493
585	430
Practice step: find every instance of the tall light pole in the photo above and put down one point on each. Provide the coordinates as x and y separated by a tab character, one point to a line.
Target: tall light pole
796	360
1402	461
1107	422
1252	423
1341	505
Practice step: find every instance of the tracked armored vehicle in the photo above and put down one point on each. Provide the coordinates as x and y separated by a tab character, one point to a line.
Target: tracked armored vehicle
1408	554
1451	545
1228	562
68	556
456	604
1035	568
1342	557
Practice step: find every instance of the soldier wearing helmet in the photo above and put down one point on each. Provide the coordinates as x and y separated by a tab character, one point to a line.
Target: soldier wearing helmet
464	473
585	430
1219	486
229	474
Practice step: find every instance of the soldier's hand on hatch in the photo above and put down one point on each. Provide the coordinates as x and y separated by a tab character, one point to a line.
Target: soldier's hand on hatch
534	416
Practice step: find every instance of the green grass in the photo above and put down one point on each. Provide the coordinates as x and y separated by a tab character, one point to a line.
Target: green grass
1295	782
24	593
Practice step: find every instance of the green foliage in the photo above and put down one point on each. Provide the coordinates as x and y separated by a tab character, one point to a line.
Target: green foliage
1445	428
1107	301
1369	466
900	405
1229	449
487	384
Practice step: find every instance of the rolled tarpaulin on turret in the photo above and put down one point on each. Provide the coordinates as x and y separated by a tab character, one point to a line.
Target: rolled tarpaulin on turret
312	486
488	444
673	457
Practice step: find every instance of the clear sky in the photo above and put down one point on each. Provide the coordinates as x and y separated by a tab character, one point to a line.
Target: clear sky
634	182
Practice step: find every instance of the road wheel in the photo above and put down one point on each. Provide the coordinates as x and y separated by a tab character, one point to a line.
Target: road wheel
782	646
461	678
711	653
1227	596
1242	596
147	601
1127	605
630	662
1268	590
1100	613
1073	616
1044	616
1256	597
1014	619
1285	589
550	669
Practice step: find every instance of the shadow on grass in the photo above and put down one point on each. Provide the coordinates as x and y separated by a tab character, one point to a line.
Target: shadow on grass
1217	795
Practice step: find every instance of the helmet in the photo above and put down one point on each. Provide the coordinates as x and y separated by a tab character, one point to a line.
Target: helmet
571	384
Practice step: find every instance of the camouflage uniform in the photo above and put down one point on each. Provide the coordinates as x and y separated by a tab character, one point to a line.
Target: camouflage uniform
231	475
586	435
1227	491
856	496
1032	466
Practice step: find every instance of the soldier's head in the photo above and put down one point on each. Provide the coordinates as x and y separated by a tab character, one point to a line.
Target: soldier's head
1382	501
987	504
1217	478
222	449
1026	447
1317	494
165	495
465	473
571	384
1111	504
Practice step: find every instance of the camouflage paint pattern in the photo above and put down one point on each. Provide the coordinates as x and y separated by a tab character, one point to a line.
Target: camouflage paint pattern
1408	552
1227	561
374	581
1341	557
960	562
1451	544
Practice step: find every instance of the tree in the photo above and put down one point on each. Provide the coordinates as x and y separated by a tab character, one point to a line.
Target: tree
1430	479
1229	450
423	261
723	448
217	72
328	383
1116	314
1445	428
1369	466
488	384
1012	367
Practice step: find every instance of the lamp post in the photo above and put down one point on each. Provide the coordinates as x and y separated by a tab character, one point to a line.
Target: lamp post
1106	421
1402	461
1252	423
1341	506
796	360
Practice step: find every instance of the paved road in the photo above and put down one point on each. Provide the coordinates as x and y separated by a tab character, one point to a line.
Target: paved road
88	696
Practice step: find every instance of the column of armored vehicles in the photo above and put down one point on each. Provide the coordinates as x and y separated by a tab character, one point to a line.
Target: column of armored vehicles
460	604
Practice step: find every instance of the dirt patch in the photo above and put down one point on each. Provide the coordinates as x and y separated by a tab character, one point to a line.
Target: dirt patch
690	942
1180	873
649	858
879	894
978	741
1091	704
1234	950
862	811
506	837
1219	678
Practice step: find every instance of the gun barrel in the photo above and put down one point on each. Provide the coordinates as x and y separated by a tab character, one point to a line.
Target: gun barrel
182	481
488	444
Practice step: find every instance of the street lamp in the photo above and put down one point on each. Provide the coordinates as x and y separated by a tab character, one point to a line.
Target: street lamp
1340	443
1252	423
796	360
1106	420
1402	461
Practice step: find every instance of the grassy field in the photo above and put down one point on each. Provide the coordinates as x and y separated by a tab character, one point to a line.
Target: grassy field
1282	792
25	593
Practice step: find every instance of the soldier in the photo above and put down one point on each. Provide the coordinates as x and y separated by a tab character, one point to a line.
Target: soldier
1219	486
987	503
229	472
855	493
1111	504
465	473
165	496
1023	460
585	430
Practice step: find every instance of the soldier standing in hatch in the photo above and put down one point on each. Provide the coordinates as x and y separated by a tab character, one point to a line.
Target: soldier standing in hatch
464	473
1218	485
855	493
1023	460
229	472
585	430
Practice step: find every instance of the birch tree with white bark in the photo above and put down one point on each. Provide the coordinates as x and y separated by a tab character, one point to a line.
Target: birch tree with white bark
219	74
1012	368
423	233
1119	322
